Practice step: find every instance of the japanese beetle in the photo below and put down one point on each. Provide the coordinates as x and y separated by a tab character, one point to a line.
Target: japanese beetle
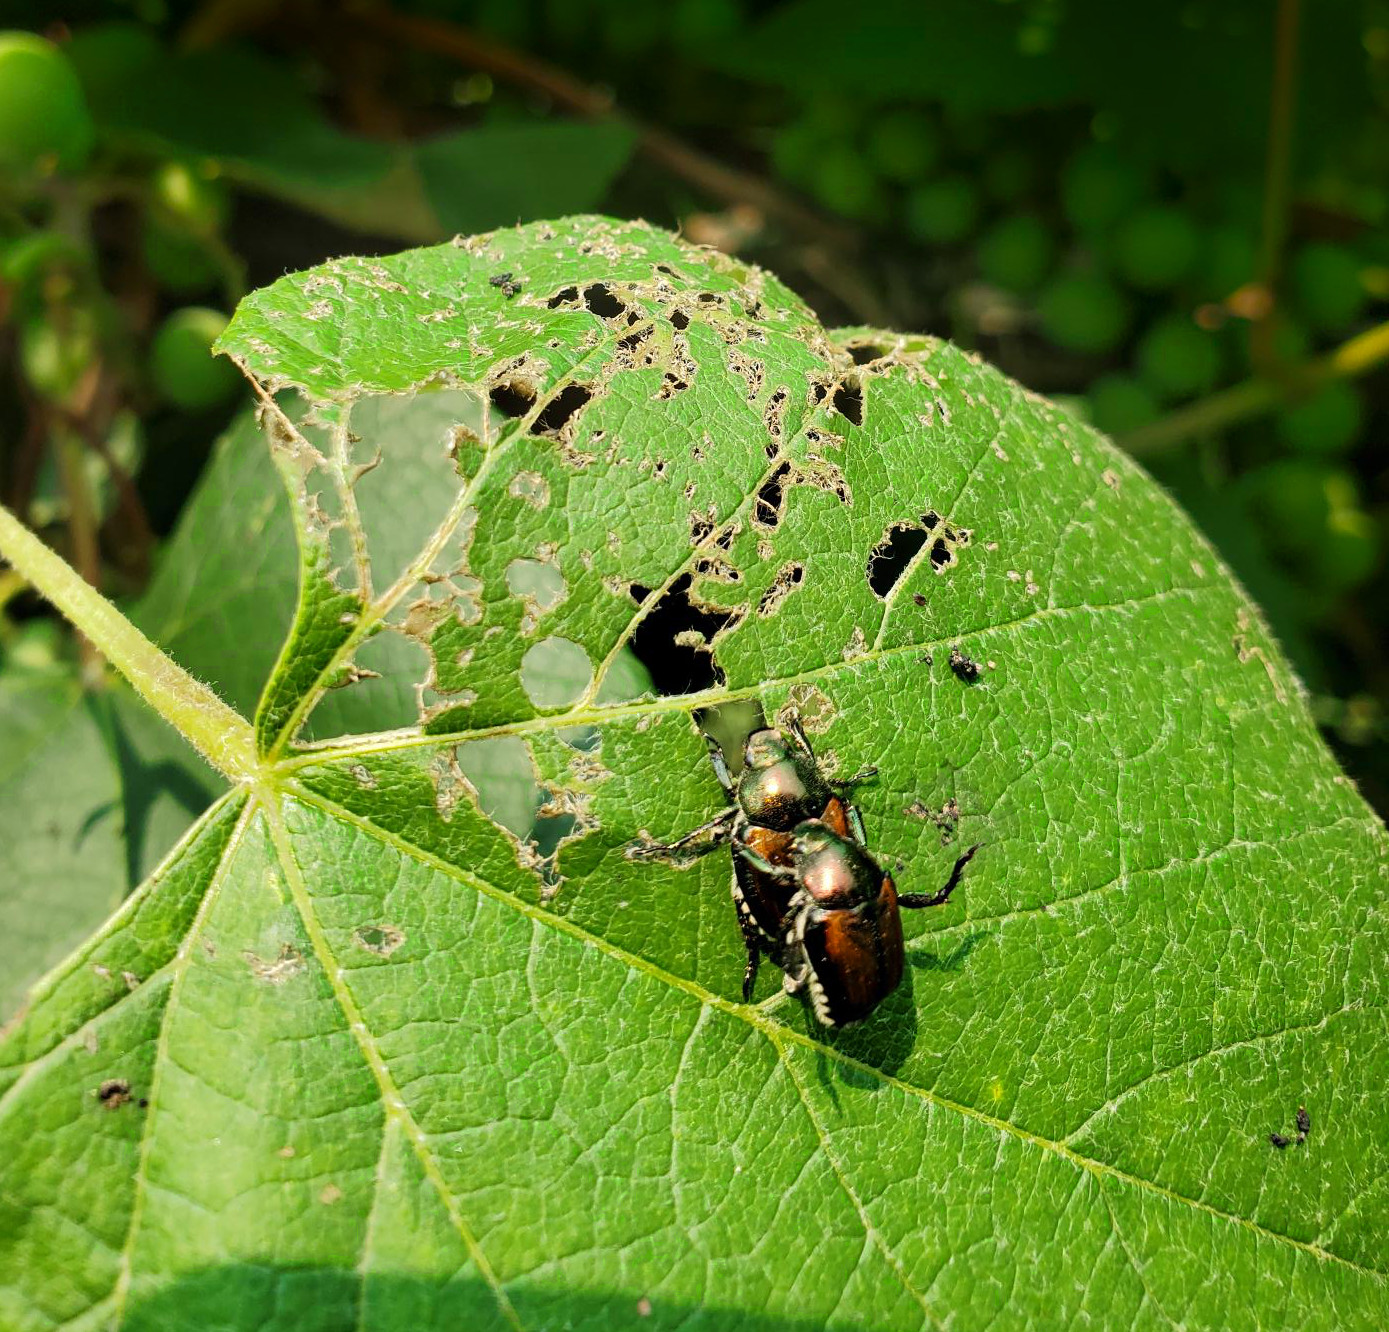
780	787
843	941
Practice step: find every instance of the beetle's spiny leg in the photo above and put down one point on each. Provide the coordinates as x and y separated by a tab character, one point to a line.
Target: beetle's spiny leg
718	830
760	862
720	765
793	721
845	783
914	901
856	826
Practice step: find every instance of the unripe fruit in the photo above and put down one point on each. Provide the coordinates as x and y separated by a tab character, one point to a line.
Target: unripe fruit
44	119
55	351
1016	253
182	366
1328	422
1156	247
1324	281
903	145
1176	359
1099	186
1119	404
178	260
943	210
198	201
1083	312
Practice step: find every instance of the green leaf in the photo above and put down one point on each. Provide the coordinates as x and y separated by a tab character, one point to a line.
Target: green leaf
400	1056
93	790
152	99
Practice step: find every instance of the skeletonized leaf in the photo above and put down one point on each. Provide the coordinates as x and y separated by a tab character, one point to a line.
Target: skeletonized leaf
412	1058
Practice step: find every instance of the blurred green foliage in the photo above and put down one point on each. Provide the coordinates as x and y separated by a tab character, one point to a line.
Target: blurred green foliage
1077	189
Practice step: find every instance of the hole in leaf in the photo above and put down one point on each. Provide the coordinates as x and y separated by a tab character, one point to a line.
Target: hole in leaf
560	410
638	592
602	302
941	554
674	640
848	402
766	509
863	352
679	320
513	397
929	520
789	577
629	342
891	556
555	673
564	296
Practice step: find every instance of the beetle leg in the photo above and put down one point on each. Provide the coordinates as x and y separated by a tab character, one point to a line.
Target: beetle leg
846	783
717	830
720	765
760	862
914	901
856	826
754	961
793	722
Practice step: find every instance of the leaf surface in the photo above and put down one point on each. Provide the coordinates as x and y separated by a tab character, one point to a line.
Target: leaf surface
413	1058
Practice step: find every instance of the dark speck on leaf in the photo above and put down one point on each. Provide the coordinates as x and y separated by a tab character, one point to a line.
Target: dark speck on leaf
1278	1140
964	667
509	286
1304	1123
113	1093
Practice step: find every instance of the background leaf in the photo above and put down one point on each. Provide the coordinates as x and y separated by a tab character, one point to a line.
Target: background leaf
93	790
445	1067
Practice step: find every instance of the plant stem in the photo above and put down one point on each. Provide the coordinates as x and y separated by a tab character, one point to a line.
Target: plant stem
1254	397
563	89
86	552
221	735
1277	179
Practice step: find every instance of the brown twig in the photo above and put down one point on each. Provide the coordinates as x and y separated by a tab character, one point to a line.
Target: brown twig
526	71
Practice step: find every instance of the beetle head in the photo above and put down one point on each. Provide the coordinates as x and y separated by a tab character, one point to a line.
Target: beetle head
780	786
835	871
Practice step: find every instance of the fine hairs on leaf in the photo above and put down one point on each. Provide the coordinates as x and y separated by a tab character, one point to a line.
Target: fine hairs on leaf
400	1036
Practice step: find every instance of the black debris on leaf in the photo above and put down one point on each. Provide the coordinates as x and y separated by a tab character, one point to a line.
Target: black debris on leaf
509	285
964	667
1278	1140
1304	1123
113	1093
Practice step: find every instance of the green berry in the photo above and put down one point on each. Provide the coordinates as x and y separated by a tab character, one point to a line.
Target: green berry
1327	423
903	145
1176	359
1230	261
1099	186
55	351
1324	280
1083	312
178	260
1292	500
1016	253
796	150
196	199
1156	247
1348	551
943	211
44	121
844	183
1009	174
182	366
1119	403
